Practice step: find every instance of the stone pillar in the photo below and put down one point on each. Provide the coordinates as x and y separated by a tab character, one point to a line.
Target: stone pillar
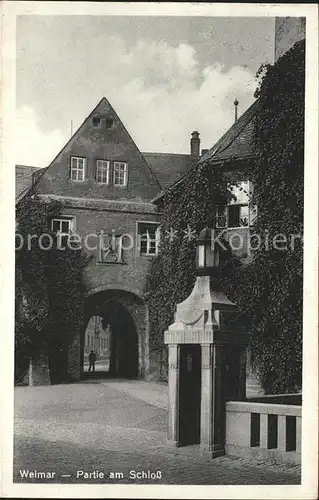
173	394
74	359
263	431
282	432
38	373
298	434
212	404
206	399
146	365
218	405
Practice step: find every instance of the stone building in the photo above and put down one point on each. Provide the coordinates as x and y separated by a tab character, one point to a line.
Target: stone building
105	186
97	338
235	153
112	196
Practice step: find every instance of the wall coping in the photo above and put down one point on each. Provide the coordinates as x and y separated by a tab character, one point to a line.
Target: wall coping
210	335
280	395
264	408
273	398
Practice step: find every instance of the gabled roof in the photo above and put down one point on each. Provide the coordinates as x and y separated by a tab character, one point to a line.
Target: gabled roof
238	141
168	167
103	103
23	175
236	144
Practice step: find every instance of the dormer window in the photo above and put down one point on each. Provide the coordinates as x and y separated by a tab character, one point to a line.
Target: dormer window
120	173
96	120
109	122
102	171
239	212
77	172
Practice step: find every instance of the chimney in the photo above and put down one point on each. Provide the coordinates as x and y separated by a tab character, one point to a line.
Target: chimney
195	146
204	151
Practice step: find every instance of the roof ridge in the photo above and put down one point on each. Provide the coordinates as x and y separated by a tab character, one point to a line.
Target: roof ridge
162	153
44	169
26	166
238	125
103	100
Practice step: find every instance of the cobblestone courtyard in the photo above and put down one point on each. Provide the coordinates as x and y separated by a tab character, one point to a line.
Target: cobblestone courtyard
113	427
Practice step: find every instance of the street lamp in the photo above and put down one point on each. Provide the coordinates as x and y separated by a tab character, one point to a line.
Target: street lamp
201	348
207	254
208	274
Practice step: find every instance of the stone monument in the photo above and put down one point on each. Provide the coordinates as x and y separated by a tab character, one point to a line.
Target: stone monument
206	359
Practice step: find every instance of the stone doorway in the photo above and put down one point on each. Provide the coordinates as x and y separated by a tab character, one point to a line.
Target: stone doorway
111	332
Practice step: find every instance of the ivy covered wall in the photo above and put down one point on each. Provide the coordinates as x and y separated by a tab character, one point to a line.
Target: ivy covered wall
49	292
268	291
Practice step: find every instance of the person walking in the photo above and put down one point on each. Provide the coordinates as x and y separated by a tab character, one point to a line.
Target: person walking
92	359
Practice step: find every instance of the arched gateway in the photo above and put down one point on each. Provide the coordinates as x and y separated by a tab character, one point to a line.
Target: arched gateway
123	315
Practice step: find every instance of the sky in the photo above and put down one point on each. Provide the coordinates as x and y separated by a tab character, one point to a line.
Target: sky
164	76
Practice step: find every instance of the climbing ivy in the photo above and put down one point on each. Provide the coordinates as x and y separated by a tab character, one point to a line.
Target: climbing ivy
186	210
268	291
49	293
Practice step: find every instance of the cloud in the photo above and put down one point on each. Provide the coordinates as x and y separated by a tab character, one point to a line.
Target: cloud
160	91
33	146
165	95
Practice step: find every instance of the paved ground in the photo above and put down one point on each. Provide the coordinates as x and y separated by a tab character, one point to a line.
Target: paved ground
116	427
102	365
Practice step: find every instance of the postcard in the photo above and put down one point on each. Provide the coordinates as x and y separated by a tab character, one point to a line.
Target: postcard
159	203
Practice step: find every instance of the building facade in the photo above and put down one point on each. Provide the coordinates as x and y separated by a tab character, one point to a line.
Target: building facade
105	187
111	196
97	338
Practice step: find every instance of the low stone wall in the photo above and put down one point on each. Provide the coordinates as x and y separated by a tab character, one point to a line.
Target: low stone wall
264	430
37	373
158	365
281	399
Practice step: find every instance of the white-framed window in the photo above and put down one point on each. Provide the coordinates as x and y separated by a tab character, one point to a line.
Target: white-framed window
148	237
102	171
119	173
77	171
63	227
239	212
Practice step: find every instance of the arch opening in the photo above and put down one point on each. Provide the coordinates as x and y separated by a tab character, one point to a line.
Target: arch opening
111	334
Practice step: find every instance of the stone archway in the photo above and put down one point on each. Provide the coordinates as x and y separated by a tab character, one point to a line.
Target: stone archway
126	315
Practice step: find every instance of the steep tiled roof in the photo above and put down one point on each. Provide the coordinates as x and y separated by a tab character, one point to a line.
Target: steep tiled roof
24	178
238	141
236	144
168	167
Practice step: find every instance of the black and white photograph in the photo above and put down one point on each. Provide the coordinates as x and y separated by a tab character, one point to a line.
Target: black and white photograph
163	256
